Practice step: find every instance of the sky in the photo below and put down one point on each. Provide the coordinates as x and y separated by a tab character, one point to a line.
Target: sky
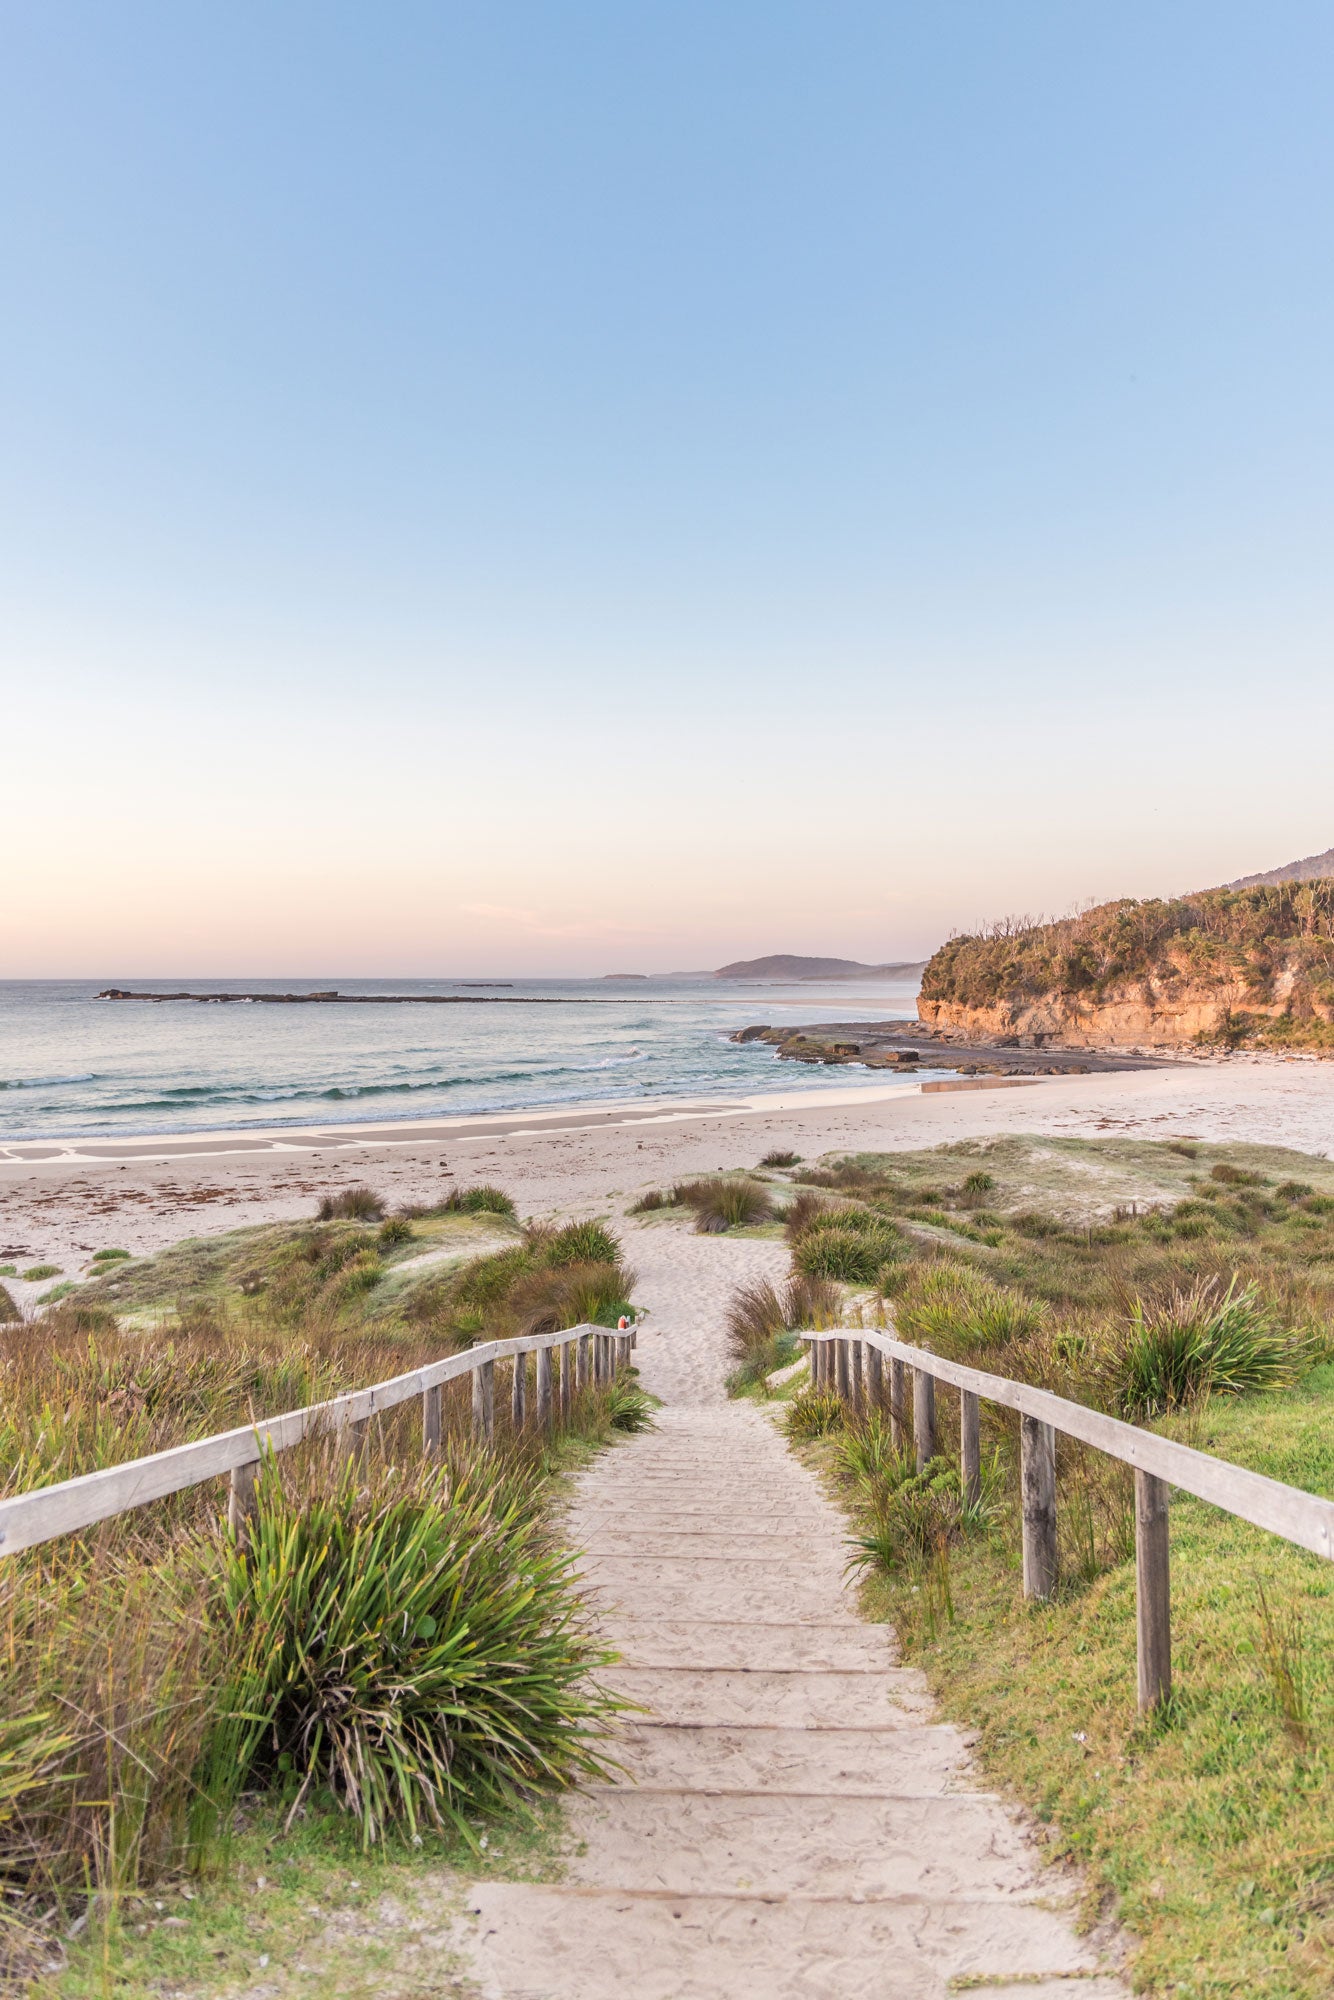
565	488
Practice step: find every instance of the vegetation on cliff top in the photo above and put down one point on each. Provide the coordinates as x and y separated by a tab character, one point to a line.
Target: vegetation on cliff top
1274	942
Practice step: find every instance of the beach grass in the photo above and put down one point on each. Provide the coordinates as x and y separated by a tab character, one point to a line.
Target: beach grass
1190	1286
158	1683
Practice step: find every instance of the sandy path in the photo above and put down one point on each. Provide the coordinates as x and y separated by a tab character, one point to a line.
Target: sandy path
684	1282
792	1821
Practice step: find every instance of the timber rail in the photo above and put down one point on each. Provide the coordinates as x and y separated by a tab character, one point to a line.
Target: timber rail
852	1366
586	1354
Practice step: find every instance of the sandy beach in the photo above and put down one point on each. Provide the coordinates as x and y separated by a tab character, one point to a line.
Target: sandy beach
62	1201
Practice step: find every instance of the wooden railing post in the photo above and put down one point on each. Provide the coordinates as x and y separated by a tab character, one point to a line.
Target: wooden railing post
1037	1481
1153	1590
584	1362
898	1403
241	1498
431	1421
566	1379
843	1363
484	1401
544	1387
855	1356
519	1391
875	1376
970	1447
924	1416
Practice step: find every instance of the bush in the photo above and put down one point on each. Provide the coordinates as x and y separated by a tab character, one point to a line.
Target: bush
976	1187
481	1200
35	1274
1197	1342
413	1650
354	1204
810	1302
579	1243
959	1311
802	1211
648	1204
721	1204
9	1312
397	1229
1232	1176
781	1159
815	1413
754	1319
109	1256
913	1518
855	1253
629	1408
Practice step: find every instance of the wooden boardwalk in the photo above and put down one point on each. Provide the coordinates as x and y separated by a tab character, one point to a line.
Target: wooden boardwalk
792	1821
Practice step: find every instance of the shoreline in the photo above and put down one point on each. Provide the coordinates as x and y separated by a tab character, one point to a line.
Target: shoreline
311	1135
58	1204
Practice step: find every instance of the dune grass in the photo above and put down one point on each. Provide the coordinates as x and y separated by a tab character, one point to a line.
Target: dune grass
1193	1287
396	1639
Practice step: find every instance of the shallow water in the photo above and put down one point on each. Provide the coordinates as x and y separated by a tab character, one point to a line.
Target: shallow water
70	1063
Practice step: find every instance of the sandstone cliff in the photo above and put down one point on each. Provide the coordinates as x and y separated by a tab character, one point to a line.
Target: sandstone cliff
1252	967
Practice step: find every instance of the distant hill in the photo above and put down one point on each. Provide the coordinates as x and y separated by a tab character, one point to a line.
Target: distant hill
789	965
1315	868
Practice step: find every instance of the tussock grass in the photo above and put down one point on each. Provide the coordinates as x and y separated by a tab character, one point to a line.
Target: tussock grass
957	1310
1196	1341
725	1202
354	1204
650	1203
852	1247
9	1312
406	1642
760	1320
781	1158
483	1199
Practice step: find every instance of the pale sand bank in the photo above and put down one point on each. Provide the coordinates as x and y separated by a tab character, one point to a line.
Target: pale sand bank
141	1194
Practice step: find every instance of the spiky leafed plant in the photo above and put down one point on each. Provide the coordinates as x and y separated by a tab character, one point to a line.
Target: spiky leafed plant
415	1649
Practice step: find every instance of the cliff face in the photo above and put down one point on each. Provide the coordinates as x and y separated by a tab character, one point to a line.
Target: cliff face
1254	967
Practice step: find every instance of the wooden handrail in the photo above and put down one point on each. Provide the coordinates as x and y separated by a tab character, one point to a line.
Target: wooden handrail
844	1361
40	1515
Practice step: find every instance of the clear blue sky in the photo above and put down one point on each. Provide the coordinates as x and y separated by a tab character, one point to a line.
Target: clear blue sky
574	486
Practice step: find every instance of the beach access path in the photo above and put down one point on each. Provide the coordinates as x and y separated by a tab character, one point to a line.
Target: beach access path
792	1818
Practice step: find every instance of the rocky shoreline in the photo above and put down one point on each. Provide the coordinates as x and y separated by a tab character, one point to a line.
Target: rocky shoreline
907	1046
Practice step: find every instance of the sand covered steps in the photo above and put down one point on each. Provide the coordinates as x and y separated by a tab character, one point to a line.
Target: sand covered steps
792	1820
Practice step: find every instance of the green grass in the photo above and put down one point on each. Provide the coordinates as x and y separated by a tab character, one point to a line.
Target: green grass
1208	1829
333	1922
154	1678
36	1272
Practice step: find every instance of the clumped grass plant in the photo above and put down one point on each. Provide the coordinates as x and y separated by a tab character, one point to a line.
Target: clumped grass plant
480	1200
354	1204
780	1157
724	1202
409	1644
1197	1341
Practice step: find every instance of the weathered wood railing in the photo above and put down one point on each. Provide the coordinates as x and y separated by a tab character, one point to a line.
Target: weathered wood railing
587	1354
852	1365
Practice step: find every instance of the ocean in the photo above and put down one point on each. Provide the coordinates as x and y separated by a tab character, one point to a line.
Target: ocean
73	1065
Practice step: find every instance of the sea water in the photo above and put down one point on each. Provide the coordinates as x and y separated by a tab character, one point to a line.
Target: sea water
71	1064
